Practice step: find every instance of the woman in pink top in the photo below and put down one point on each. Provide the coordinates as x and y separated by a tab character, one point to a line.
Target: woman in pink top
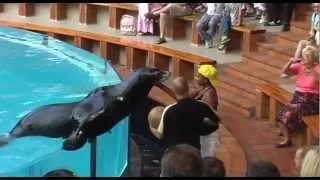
306	96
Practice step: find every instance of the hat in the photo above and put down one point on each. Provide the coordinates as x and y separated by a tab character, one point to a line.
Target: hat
209	72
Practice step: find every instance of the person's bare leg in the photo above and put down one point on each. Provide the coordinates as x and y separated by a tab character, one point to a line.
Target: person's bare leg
163	24
299	49
165	9
284	129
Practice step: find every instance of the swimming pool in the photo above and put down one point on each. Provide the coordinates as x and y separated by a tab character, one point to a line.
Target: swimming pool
33	73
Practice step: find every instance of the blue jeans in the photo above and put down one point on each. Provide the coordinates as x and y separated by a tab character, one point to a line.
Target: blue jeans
207	26
225	24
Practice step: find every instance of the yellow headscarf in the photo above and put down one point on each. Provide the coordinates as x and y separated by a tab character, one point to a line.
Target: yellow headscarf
209	72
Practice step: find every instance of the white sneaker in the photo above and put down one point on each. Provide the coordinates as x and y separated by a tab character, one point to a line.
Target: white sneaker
263	19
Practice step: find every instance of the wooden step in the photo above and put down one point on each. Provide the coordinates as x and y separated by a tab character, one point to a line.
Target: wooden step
302	27
277	50
237	86
290	38
263	60
231	106
252	73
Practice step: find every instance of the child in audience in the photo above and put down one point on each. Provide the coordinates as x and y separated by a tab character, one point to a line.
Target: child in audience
145	25
207	25
154	118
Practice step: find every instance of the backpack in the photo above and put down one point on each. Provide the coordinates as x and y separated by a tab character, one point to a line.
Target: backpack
128	25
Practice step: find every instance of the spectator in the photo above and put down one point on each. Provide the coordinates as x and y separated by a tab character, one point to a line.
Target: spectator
173	10
311	163
306	96
145	25
233	15
287	15
203	89
274	15
60	173
213	167
154	118
263	168
313	34
299	156
261	12
208	23
181	160
186	120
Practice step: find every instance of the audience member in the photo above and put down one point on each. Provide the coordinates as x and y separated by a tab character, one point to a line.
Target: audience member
60	173
186	120
263	168
313	34
287	15
203	89
311	163
274	14
154	118
145	25
181	160
299	156
261	12
208	23
213	167
173	10
306	96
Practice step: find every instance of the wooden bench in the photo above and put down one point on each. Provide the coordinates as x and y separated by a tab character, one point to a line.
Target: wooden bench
270	98
177	26
138	53
312	123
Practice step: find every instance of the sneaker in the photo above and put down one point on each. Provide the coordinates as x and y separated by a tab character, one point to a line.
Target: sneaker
278	22
263	20
208	43
224	40
161	40
283	75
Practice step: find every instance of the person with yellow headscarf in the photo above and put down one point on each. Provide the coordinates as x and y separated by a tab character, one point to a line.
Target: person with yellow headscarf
203	87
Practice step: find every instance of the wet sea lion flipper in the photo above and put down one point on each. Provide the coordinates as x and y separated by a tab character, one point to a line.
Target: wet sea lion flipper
5	139
75	141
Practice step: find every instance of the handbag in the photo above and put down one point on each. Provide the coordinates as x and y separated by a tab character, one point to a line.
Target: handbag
128	25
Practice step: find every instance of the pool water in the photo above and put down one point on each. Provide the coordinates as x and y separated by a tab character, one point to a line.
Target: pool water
34	73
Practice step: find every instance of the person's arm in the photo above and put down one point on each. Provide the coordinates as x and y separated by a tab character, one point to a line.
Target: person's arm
211	98
167	90
289	69
210	121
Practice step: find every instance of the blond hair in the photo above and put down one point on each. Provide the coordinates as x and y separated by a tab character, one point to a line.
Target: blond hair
154	116
311	50
311	163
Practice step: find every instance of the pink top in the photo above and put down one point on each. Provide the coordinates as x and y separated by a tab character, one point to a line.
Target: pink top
306	82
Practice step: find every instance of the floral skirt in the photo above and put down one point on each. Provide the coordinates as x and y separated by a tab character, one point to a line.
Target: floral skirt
302	104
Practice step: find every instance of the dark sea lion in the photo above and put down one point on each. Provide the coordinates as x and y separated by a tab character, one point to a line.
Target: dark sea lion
102	109
49	121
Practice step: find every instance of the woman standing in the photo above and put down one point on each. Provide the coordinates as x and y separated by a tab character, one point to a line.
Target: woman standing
306	96
203	89
145	25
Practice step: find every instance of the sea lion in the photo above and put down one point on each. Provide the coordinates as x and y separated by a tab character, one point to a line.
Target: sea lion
49	120
97	113
102	109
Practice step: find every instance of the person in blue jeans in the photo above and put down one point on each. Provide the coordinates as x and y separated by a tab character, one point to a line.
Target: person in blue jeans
209	21
225	28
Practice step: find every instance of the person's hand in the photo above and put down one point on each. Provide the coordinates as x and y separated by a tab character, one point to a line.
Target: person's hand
311	33
295	60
